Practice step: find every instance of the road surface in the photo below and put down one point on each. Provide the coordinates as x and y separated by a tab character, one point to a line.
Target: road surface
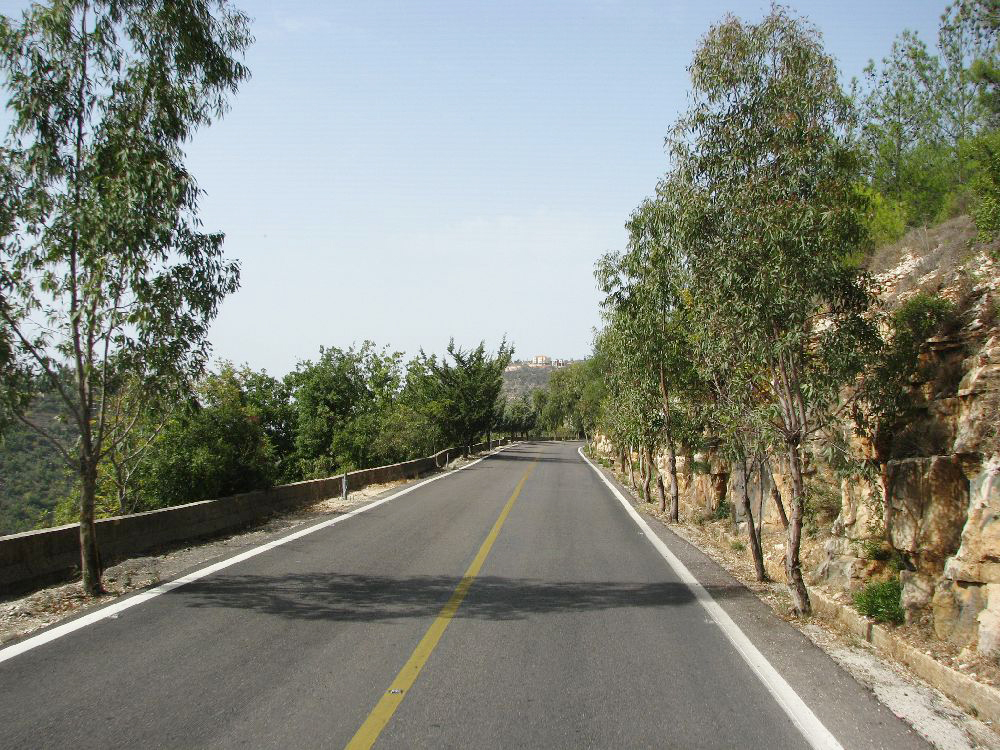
512	604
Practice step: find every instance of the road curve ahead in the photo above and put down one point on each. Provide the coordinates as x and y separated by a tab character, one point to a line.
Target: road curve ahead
512	604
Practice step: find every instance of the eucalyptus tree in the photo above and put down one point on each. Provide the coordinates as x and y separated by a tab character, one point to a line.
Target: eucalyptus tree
574	396
104	267
631	380
739	410
766	149
648	284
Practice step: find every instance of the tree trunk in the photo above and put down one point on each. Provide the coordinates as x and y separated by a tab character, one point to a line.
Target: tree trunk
793	566
760	507
662	493
671	449
776	496
886	479
631	469
675	500
642	474
755	550
622	458
90	561
647	473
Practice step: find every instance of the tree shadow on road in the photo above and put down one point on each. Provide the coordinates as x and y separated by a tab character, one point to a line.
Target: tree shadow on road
367	598
535	456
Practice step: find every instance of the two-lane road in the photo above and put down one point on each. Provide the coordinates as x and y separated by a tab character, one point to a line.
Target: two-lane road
511	604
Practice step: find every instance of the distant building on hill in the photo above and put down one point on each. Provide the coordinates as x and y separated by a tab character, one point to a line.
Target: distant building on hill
541	360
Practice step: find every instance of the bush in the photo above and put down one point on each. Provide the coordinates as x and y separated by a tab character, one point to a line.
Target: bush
723	511
881	601
822	505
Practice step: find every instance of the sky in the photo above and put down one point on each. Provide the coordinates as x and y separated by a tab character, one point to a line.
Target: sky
408	172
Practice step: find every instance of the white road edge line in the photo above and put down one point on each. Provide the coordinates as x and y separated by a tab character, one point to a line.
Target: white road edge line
113	609
812	729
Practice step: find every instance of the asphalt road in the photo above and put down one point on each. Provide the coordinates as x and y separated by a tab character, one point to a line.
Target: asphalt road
572	632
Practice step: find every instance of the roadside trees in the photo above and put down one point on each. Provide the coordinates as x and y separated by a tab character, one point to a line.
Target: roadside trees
765	149
463	397
103	267
341	401
632	399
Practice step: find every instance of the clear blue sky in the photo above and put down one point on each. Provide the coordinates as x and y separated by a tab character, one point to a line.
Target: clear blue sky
407	172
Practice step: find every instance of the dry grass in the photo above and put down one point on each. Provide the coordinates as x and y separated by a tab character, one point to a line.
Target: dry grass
946	260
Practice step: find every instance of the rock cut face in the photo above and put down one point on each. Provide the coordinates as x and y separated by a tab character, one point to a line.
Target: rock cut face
930	499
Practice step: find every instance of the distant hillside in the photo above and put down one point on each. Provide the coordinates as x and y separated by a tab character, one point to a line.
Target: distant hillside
33	478
524	380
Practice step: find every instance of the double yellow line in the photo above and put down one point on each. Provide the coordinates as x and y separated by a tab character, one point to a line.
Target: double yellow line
369	732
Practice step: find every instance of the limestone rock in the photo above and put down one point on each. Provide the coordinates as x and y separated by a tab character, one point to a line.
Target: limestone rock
956	606
930	501
840	567
978	557
983	374
858	499
989	622
918	590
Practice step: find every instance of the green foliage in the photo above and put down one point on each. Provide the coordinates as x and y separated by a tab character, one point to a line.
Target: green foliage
217	445
723	511
104	266
923	108
342	401
884	399
881	601
574	397
463	396
518	416
885	220
33	477
822	505
986	185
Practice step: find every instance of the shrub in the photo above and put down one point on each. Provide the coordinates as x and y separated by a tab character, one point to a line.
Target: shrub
723	510
881	601
822	505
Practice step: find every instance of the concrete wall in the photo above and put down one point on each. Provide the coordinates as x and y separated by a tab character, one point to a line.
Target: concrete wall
35	558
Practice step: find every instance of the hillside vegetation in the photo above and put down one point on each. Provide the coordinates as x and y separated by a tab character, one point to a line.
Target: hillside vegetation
33	478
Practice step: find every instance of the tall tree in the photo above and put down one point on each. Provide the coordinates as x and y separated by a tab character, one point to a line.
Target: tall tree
766	149
899	111
463	396
340	402
104	267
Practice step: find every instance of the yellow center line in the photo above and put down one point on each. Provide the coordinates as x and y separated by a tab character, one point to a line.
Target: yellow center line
369	732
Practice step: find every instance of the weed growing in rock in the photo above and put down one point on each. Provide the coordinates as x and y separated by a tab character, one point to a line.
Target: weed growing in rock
722	510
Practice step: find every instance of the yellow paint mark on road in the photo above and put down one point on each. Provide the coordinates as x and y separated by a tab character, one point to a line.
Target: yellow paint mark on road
369	732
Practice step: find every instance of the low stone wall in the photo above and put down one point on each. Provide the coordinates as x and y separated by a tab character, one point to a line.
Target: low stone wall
36	558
